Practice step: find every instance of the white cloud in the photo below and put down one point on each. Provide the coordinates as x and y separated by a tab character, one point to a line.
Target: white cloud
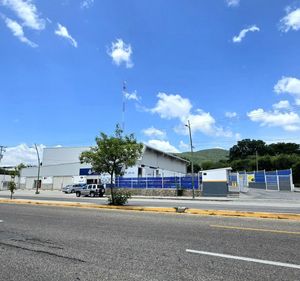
201	122
283	104
121	52
233	3
63	32
231	114
172	106
183	146
177	107
289	85
85	4
291	20
153	132
21	154
132	96
289	121
17	31
27	12
242	34
238	136
162	145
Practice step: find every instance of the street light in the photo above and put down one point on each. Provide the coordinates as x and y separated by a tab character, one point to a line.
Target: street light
39	166
192	163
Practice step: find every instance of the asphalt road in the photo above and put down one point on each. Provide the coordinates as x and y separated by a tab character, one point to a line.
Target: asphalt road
252	204
47	243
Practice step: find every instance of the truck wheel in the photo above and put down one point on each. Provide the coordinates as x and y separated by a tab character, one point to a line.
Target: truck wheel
73	191
78	194
92	194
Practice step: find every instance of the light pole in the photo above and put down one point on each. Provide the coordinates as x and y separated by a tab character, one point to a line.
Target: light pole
256	157
39	166
192	162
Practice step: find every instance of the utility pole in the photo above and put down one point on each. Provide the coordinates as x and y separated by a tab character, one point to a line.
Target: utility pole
39	166
256	157
192	162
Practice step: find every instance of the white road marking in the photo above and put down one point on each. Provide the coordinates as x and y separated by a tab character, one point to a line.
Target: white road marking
244	259
1	220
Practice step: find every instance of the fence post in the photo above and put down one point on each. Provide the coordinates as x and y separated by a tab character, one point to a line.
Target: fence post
146	182
291	180
162	180
266	179
277	177
131	183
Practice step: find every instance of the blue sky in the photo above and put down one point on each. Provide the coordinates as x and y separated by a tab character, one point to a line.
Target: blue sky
230	67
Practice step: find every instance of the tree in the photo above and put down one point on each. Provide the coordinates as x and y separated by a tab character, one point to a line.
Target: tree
296	173
247	147
113	154
12	187
283	148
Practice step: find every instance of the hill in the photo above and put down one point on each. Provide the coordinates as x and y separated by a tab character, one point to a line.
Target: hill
213	155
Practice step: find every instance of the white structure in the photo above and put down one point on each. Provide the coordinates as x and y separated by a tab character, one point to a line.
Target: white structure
216	175
61	166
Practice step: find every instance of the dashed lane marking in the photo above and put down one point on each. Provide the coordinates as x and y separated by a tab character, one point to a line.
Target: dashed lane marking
255	229
275	263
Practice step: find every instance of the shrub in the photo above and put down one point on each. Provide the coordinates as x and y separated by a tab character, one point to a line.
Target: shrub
12	187
120	197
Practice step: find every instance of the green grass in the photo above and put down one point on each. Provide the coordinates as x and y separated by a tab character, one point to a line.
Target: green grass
213	155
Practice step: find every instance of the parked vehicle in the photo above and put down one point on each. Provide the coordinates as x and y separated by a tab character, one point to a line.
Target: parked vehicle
91	190
72	188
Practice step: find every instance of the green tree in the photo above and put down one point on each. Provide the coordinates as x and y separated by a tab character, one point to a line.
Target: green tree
247	147
283	148
12	187
296	173
265	163
113	154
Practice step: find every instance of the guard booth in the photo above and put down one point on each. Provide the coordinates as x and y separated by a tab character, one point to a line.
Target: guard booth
215	182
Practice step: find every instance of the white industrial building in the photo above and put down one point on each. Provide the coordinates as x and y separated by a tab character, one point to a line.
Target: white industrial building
61	166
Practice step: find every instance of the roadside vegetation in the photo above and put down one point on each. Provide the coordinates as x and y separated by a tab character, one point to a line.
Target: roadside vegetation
113	155
12	187
247	153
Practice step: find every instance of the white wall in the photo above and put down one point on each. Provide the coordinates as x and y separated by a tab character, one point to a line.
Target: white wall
215	175
62	155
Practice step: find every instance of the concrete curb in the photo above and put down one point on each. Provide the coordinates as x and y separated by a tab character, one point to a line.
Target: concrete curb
224	213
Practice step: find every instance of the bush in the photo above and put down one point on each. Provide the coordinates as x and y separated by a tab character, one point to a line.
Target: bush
12	187
296	174
120	197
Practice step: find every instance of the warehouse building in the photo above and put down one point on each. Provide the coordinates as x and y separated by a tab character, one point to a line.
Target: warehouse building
61	166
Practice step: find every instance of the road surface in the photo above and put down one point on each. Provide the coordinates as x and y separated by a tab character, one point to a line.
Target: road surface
48	243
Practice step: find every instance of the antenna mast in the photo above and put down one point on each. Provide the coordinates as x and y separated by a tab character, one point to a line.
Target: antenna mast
123	105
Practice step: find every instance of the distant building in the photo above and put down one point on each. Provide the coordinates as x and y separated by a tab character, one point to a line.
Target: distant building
61	166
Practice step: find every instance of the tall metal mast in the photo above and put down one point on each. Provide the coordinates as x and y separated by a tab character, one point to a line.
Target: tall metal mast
123	105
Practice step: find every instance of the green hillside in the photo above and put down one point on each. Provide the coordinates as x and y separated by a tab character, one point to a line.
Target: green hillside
213	155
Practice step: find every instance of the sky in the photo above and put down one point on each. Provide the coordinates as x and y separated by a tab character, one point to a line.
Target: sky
230	67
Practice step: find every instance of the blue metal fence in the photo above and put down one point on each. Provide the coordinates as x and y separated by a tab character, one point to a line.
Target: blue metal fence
158	182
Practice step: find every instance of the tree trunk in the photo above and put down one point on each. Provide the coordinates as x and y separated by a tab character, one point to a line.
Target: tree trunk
112	189
11	194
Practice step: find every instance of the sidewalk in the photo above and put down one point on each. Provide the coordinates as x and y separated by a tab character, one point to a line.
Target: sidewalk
57	193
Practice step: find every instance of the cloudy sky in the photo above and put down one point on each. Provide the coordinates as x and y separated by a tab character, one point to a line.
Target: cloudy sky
232	68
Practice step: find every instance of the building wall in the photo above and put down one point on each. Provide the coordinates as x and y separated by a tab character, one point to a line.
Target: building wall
61	166
163	162
62	155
